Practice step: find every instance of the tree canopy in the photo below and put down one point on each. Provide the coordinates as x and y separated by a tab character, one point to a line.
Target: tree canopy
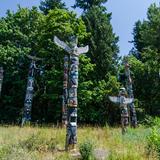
31	32
47	5
146	41
87	4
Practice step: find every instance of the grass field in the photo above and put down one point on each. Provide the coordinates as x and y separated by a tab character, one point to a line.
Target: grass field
33	143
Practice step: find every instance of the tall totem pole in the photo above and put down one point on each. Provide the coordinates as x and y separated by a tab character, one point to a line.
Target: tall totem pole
74	52
65	91
122	101
133	116
29	90
1	79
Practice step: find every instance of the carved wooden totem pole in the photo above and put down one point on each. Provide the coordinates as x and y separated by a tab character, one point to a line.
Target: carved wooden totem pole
122	101
1	79
29	90
74	52
65	92
133	116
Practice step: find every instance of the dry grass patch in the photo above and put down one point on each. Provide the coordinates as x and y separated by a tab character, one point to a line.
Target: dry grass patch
33	143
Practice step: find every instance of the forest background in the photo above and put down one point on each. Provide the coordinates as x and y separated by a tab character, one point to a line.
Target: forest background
101	73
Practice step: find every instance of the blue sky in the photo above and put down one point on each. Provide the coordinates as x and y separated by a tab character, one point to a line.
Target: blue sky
124	15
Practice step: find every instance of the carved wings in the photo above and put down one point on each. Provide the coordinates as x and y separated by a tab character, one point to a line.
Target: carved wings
117	100
81	50
114	99
34	58
128	100
62	44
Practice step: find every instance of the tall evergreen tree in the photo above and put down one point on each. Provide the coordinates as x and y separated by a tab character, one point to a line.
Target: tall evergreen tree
87	4
102	40
47	5
147	45
103	51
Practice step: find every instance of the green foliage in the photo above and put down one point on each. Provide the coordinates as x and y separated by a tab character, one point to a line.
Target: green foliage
152	121
47	5
154	141
39	142
102	41
86	150
87	4
94	105
27	32
4	150
147	50
19	35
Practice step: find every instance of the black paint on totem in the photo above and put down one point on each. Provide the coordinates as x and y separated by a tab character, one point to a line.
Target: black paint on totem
29	94
71	137
65	91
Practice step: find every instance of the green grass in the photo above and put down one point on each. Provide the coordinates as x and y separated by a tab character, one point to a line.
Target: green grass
33	143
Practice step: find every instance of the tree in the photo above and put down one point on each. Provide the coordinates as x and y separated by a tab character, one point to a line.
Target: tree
146	34
146	42
102	41
19	36
87	4
103	51
29	31
23	33
47	5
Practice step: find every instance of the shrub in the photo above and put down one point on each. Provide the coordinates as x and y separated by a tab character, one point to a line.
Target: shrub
39	142
154	141
86	150
152	121
4	151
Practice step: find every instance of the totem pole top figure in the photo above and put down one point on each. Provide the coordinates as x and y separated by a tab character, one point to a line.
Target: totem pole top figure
34	58
119	99
72	49
122	101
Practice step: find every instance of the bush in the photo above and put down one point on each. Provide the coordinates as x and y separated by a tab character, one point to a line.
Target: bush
156	121
39	142
4	151
152	121
154	141
86	150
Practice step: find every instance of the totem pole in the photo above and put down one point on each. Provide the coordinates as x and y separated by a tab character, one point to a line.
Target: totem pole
133	116
74	52
29	90
122	101
1	79
65	92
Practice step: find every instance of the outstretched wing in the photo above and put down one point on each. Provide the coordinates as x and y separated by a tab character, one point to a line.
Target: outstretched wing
81	50
62	44
128	100
114	99
34	58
